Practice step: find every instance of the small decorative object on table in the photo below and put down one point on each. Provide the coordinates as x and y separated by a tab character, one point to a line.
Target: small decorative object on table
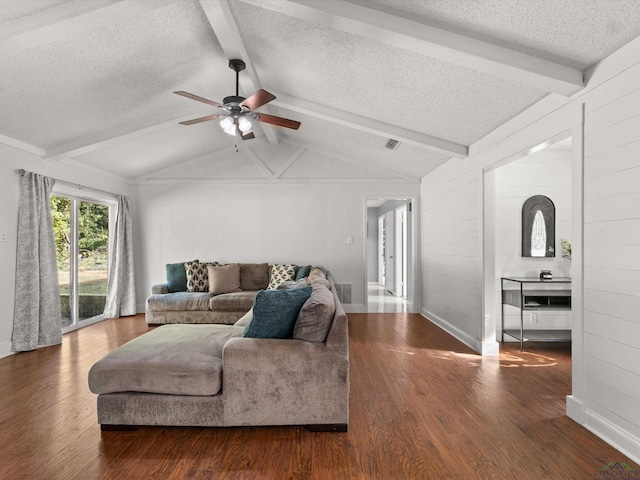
545	275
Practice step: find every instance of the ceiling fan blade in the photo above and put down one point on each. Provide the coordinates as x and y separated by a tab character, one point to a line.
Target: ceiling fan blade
278	121
258	99
199	99
199	120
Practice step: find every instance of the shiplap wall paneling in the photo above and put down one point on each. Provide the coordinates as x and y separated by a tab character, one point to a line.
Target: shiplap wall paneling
612	255
449	245
277	223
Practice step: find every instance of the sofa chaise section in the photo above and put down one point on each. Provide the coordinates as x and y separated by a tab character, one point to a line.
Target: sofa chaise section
264	381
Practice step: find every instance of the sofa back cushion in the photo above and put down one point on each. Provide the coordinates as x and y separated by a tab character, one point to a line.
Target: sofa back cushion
177	277
316	315
254	276
275	313
224	278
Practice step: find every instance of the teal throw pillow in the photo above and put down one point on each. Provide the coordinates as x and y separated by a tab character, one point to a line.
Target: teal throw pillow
303	272
177	277
275	313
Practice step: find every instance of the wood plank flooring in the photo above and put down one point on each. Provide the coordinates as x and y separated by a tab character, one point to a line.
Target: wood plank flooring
423	406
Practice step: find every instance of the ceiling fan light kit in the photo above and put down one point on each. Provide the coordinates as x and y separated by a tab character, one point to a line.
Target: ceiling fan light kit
239	110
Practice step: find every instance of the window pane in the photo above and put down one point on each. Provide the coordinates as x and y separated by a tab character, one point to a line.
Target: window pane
93	251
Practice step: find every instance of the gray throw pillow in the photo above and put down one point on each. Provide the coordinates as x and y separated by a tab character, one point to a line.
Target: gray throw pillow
316	315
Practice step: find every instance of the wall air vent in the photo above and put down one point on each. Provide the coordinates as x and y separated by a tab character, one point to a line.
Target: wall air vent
343	290
392	144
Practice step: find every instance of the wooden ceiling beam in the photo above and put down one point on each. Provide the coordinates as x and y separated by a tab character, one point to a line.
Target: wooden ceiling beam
432	42
114	137
69	19
369	125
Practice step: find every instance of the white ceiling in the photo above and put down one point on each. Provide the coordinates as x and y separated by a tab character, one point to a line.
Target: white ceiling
91	81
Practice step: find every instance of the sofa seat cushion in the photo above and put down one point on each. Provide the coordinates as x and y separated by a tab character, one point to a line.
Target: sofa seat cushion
172	359
233	302
178	301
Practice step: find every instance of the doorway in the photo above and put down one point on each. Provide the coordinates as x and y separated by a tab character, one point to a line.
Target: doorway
549	170
390	255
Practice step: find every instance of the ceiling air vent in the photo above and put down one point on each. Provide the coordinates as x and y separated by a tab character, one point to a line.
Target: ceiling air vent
392	144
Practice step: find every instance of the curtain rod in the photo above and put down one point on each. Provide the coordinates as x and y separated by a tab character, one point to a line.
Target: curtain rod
22	171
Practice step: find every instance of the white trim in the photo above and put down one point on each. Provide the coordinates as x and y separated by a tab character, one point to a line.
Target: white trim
71	18
85	323
444	45
368	125
464	337
354	308
20	145
575	409
614	435
5	349
413	280
114	137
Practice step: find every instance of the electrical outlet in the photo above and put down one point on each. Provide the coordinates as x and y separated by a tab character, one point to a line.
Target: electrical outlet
3	237
533	318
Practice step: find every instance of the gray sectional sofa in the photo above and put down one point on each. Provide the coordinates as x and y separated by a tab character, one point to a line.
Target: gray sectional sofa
216	375
224	302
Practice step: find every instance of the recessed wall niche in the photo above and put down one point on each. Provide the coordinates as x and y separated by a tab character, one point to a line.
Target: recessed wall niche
538	227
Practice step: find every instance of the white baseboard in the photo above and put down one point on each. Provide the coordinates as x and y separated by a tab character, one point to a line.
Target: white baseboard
464	337
490	349
354	308
5	349
575	409
615	436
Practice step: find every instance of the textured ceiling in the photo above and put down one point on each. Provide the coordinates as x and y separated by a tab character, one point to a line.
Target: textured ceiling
91	82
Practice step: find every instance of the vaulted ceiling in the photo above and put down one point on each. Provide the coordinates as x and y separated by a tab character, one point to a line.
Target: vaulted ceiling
90	82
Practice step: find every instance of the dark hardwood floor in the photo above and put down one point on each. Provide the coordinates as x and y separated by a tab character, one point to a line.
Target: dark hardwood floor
423	406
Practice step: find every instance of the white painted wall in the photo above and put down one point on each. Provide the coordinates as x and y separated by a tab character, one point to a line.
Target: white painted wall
548	173
301	223
11	160
605	393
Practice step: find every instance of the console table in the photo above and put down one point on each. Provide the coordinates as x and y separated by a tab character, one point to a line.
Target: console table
526	294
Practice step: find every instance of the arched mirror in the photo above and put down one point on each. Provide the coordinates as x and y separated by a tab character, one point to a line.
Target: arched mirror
538	227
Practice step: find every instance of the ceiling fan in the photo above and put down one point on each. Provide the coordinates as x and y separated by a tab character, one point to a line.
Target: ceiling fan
238	111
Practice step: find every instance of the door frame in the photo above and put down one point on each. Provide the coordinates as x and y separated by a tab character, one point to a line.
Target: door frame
78	195
413	284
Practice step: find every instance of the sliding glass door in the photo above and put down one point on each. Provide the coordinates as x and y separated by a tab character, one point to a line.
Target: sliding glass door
81	230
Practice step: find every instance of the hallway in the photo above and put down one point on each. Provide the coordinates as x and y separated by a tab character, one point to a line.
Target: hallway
381	301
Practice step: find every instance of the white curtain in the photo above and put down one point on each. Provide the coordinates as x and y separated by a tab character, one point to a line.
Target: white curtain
36	312
121	292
